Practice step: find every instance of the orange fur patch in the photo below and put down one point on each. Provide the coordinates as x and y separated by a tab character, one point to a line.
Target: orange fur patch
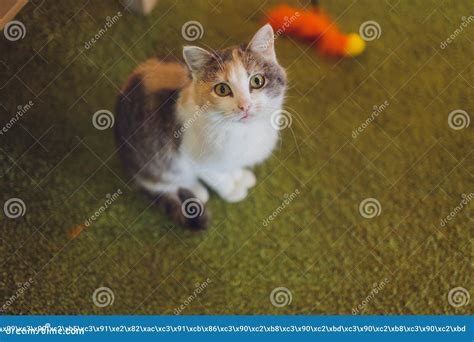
158	75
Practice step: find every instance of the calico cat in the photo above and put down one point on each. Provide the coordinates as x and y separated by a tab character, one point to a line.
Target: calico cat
208	120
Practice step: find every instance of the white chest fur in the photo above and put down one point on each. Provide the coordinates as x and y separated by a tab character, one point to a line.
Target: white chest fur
233	145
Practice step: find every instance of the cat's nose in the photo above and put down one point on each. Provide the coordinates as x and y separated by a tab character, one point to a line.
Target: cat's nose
244	106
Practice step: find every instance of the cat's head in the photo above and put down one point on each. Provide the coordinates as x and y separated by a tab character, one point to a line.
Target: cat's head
239	83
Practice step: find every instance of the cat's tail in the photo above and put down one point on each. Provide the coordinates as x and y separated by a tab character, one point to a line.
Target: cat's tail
185	209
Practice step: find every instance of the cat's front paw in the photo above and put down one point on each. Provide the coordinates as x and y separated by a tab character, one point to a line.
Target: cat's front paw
236	195
231	186
248	178
245	178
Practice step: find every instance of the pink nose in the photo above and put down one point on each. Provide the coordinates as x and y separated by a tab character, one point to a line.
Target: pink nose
244	106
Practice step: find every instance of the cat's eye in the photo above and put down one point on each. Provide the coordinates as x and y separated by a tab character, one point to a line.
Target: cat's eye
257	81
222	89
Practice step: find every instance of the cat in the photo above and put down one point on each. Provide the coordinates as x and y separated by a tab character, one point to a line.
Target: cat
207	120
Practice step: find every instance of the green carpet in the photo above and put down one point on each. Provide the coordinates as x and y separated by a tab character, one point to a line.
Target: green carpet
318	246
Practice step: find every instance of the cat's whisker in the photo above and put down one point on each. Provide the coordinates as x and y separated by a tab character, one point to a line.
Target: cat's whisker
300	121
289	87
294	138
207	129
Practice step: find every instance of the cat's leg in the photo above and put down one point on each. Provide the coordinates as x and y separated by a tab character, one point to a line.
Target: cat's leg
157	187
225	185
180	203
200	191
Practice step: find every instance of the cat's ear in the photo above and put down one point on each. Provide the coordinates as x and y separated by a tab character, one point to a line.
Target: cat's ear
262	43
195	57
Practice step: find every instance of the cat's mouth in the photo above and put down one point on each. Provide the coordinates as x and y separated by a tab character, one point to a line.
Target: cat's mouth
245	116
241	117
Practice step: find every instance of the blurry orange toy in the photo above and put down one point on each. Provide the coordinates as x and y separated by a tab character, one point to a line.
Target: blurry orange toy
313	25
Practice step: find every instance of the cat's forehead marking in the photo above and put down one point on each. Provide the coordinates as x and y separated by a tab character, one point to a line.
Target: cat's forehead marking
237	73
235	55
241	63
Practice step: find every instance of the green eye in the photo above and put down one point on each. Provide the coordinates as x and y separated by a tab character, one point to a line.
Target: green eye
222	89
257	81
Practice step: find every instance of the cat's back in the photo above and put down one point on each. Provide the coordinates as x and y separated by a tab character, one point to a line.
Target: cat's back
146	111
150	94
